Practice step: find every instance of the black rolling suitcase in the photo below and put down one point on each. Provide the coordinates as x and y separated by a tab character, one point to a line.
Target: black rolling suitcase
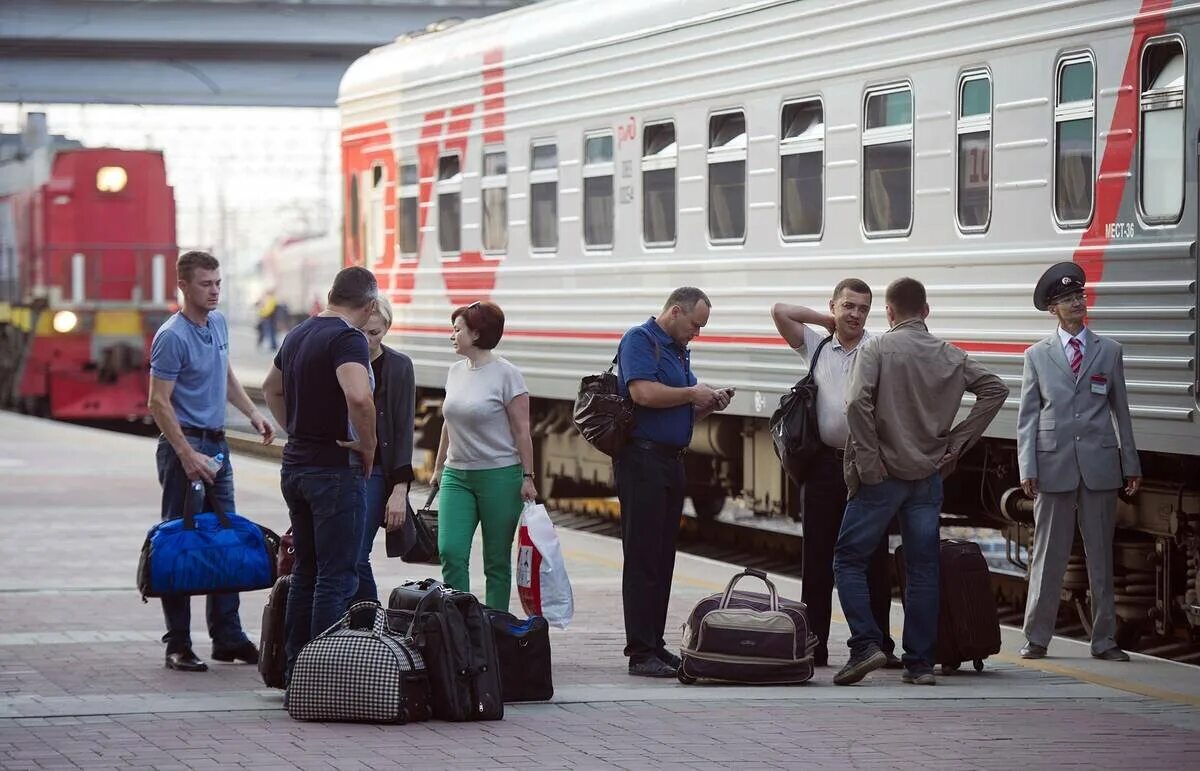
455	638
271	656
523	648
968	625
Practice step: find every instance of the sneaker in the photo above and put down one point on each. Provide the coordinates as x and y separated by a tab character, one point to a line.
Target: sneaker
860	666
244	652
670	659
651	668
918	677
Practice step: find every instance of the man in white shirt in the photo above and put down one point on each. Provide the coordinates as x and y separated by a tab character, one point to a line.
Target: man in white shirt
1071	461
825	491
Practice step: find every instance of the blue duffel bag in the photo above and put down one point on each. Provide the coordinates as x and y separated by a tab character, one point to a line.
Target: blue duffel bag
206	553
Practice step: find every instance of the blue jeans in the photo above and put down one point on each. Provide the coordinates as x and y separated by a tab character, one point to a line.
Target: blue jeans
918	505
377	497
224	624
325	505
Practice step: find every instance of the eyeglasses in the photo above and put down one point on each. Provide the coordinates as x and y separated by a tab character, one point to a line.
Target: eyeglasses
1071	299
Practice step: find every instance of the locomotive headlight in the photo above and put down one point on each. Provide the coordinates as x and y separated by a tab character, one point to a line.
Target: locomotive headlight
111	179
65	321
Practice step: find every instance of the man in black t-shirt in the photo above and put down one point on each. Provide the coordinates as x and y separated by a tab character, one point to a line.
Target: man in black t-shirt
320	388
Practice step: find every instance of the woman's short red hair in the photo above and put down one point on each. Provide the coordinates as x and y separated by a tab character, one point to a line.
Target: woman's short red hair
483	318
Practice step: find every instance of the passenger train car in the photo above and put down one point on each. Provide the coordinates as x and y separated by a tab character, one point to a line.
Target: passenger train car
574	161
87	274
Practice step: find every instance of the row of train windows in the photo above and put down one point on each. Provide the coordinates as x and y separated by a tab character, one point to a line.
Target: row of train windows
887	166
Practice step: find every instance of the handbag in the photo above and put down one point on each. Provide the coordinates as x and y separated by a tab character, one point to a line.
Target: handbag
601	415
416	540
793	426
523	646
287	553
206	553
359	671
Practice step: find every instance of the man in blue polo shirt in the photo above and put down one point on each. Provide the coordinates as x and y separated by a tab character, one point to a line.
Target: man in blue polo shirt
656	373
190	382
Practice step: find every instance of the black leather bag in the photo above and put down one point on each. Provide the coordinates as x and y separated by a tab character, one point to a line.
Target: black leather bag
416	540
523	646
603	417
455	638
793	427
271	655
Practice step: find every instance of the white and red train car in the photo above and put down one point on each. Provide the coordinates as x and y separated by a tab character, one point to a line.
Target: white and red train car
574	161
87	274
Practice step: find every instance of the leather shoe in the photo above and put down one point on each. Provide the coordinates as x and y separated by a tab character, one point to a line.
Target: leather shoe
670	659
185	661
1112	654
651	668
1033	651
244	652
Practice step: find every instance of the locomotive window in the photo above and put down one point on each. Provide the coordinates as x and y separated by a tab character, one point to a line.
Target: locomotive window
887	161
727	177
449	189
801	169
974	151
494	194
1164	72
406	194
543	198
598	191
1074	140
659	155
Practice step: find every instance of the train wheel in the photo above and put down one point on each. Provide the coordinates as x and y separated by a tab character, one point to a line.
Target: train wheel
708	506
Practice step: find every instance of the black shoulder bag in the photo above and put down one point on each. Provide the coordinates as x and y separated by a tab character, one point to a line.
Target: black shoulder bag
793	427
602	416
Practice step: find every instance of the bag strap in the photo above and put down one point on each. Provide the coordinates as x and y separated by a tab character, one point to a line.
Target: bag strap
752	573
812	366
433	491
189	516
657	351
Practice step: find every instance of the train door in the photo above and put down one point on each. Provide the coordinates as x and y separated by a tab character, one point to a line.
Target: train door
374	236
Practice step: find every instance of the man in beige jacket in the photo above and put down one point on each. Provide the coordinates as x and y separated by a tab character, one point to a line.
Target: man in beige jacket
903	397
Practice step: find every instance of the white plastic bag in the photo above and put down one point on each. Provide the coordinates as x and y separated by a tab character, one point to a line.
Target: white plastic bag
542	581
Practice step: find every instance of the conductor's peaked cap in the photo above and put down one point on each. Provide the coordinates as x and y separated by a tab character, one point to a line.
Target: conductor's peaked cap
1058	280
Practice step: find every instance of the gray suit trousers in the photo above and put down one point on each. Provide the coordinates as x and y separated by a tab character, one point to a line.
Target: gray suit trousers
1054	531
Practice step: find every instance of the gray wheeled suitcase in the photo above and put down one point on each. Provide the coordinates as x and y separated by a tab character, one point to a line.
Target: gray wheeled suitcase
358	671
744	637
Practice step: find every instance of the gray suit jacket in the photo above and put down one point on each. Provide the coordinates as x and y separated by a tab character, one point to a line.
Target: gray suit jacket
1065	431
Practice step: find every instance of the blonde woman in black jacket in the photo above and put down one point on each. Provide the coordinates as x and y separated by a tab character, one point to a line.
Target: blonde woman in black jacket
395	406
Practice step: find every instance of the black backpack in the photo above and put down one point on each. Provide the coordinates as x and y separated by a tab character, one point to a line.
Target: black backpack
793	427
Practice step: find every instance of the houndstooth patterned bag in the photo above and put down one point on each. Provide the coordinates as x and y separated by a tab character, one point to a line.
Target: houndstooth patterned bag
359	672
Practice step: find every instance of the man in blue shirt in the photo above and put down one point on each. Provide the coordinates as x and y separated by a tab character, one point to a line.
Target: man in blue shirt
190	381
656	373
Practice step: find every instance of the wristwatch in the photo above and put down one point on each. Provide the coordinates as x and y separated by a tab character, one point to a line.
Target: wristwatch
528	475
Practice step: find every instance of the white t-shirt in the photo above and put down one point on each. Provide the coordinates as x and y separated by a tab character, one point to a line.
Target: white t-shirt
834	366
475	410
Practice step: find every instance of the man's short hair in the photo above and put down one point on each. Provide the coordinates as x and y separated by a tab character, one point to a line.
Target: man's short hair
686	298
189	262
906	296
483	318
854	285
354	287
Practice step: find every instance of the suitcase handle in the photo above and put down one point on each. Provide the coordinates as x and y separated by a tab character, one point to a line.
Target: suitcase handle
751	573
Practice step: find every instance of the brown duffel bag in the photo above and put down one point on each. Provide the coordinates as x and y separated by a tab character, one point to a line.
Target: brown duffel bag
746	637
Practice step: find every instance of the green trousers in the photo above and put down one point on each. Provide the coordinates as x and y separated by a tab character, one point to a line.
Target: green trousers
490	498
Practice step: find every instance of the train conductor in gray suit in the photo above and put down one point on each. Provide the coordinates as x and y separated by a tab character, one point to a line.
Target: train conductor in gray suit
1070	460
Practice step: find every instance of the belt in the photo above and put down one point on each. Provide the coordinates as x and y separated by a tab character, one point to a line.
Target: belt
212	434
837	452
671	451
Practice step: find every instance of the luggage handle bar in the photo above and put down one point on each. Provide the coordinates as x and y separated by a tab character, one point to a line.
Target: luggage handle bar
752	573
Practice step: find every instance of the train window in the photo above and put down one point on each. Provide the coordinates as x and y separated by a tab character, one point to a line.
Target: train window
1074	140
801	169
888	161
494	193
598	191
375	231
727	177
407	193
449	190
1164	71
659	156
543	197
974	151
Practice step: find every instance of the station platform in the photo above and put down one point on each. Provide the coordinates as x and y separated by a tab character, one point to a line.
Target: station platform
82	682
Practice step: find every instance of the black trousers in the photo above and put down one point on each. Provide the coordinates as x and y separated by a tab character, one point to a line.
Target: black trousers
824	505
650	486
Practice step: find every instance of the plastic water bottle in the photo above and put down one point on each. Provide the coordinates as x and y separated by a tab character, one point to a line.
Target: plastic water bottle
215	463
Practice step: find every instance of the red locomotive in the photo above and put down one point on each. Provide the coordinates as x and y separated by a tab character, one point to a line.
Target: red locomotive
87	274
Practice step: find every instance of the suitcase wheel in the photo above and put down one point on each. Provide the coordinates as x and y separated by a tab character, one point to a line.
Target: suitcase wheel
684	678
978	665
